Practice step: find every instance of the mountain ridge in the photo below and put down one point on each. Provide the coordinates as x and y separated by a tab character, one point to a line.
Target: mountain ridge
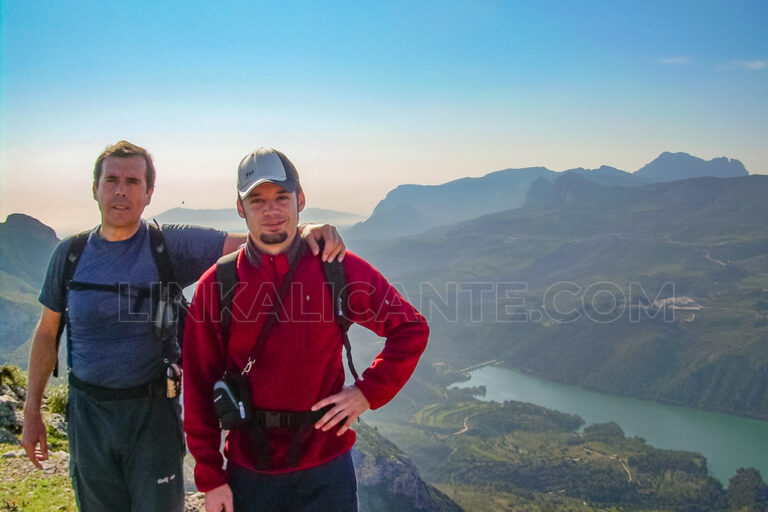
411	209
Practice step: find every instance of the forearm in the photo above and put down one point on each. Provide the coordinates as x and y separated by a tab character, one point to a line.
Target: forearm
42	361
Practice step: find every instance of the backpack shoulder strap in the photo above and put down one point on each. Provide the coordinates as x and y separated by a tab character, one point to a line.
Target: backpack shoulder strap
160	254
168	320
76	248
337	280
226	277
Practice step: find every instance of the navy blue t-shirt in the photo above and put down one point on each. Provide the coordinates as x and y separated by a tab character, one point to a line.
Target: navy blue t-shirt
110	337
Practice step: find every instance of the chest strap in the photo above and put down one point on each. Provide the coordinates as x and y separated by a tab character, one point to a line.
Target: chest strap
139	293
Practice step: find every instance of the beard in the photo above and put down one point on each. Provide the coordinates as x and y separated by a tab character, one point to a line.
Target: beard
273	238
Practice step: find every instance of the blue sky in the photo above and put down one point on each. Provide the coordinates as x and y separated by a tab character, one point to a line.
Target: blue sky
364	96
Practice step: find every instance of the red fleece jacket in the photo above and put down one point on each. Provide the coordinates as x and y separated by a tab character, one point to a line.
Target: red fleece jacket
300	361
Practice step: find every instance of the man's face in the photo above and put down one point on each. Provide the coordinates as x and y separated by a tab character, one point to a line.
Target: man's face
122	192
272	215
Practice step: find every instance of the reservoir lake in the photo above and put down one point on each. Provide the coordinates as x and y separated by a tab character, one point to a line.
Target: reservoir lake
728	442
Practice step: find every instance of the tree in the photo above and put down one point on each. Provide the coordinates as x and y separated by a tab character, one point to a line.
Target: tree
747	490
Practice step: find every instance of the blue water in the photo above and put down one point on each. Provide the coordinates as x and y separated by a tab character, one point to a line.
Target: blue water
728	442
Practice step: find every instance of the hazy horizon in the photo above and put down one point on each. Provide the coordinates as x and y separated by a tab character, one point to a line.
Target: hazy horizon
365	97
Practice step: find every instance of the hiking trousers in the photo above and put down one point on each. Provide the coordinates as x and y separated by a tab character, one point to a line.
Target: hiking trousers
126	455
330	487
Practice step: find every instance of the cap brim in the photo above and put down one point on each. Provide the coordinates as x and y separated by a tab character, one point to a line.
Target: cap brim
289	185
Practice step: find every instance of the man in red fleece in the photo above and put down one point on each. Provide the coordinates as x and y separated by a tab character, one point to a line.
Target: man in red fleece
298	460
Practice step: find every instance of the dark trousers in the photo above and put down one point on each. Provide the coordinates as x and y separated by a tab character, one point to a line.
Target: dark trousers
331	487
125	455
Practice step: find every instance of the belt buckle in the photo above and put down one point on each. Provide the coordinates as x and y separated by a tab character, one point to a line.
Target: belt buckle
272	419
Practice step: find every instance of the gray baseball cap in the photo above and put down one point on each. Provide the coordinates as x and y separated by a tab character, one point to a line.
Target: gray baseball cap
266	165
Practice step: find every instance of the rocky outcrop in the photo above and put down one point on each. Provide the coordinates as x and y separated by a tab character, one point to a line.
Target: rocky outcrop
682	166
388	480
194	502
11	420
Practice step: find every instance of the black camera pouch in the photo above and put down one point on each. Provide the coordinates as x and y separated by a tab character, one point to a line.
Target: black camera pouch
232	402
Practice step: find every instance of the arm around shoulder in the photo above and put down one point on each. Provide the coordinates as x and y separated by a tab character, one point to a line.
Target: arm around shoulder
232	242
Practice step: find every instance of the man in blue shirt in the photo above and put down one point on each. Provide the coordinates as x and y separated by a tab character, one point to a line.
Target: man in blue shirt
125	436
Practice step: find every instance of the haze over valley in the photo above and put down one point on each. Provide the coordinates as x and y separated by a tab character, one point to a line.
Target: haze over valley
651	285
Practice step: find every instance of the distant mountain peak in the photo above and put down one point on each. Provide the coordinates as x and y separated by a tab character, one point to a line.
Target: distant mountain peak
22	223
410	209
25	246
680	166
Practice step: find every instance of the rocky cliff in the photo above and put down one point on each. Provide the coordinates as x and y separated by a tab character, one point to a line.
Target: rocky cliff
388	480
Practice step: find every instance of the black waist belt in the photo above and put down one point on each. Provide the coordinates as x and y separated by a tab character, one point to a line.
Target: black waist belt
153	388
300	421
286	419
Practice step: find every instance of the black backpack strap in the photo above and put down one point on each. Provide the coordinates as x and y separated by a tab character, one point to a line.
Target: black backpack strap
337	280
160	254
76	248
271	320
226	277
170	289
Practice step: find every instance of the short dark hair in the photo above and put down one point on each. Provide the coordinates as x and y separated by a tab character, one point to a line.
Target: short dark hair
125	149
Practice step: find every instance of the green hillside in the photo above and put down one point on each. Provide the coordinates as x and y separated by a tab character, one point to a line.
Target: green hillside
516	456
25	247
658	292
